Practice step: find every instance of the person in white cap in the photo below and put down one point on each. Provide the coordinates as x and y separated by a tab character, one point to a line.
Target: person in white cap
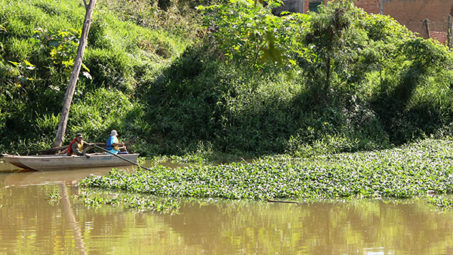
113	144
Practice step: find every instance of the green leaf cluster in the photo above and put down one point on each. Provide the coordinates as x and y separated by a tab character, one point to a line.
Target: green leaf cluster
338	80
415	170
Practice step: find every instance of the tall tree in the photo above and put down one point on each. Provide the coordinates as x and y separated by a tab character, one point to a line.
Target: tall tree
75	74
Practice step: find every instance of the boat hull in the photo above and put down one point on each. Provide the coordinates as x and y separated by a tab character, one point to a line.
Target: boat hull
56	162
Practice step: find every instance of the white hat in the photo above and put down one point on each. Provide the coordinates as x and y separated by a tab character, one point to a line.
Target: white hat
113	133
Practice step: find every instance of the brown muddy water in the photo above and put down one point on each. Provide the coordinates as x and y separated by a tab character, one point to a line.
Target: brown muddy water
31	222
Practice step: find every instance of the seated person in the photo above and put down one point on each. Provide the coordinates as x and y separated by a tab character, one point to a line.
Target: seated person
113	144
76	146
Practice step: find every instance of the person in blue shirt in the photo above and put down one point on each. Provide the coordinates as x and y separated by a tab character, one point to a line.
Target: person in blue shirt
113	144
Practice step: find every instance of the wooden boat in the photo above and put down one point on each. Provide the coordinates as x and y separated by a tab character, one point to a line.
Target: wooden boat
61	162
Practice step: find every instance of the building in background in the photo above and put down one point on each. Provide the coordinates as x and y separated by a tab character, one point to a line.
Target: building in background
429	18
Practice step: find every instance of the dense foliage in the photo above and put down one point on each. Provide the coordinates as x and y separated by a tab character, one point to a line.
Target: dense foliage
416	170
333	81
38	44
246	81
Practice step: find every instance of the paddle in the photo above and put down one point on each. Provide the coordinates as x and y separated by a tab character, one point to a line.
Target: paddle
125	159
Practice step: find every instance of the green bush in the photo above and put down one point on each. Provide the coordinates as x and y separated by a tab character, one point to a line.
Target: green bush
247	82
112	69
355	83
96	113
38	43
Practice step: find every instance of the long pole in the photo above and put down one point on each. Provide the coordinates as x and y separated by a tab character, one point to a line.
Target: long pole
74	75
125	159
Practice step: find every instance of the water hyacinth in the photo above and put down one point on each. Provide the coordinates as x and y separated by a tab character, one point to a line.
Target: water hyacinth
97	198
405	172
443	202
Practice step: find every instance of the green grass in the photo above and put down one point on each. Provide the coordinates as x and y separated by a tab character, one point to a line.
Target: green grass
170	87
122	54
405	172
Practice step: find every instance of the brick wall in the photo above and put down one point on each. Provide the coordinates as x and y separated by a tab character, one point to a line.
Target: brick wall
410	13
371	6
442	37
413	13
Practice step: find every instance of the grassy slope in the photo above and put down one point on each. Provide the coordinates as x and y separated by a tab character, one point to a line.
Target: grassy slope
169	93
121	55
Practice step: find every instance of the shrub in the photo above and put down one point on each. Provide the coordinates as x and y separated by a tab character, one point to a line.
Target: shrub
98	112
38	42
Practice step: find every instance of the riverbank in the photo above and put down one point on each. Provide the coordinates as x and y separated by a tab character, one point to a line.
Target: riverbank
170	84
423	169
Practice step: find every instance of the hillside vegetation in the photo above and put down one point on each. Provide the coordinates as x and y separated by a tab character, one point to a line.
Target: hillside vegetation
130	42
228	78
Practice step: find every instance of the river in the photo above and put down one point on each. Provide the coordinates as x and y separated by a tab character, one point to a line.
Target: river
40	214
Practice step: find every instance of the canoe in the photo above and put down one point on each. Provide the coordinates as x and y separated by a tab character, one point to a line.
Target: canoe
61	162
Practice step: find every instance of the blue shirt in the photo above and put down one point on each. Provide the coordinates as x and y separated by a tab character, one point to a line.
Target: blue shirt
110	142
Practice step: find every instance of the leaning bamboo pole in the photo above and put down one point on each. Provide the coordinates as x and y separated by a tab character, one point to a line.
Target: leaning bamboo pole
74	75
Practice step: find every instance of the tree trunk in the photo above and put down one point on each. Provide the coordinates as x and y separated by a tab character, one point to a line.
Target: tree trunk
74	75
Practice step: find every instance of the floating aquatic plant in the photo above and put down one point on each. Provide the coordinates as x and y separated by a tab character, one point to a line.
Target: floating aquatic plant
405	172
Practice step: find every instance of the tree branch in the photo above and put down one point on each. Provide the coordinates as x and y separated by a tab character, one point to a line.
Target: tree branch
85	3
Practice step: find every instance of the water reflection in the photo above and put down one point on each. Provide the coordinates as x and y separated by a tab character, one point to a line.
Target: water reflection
8	168
70	217
318	228
50	177
32	222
